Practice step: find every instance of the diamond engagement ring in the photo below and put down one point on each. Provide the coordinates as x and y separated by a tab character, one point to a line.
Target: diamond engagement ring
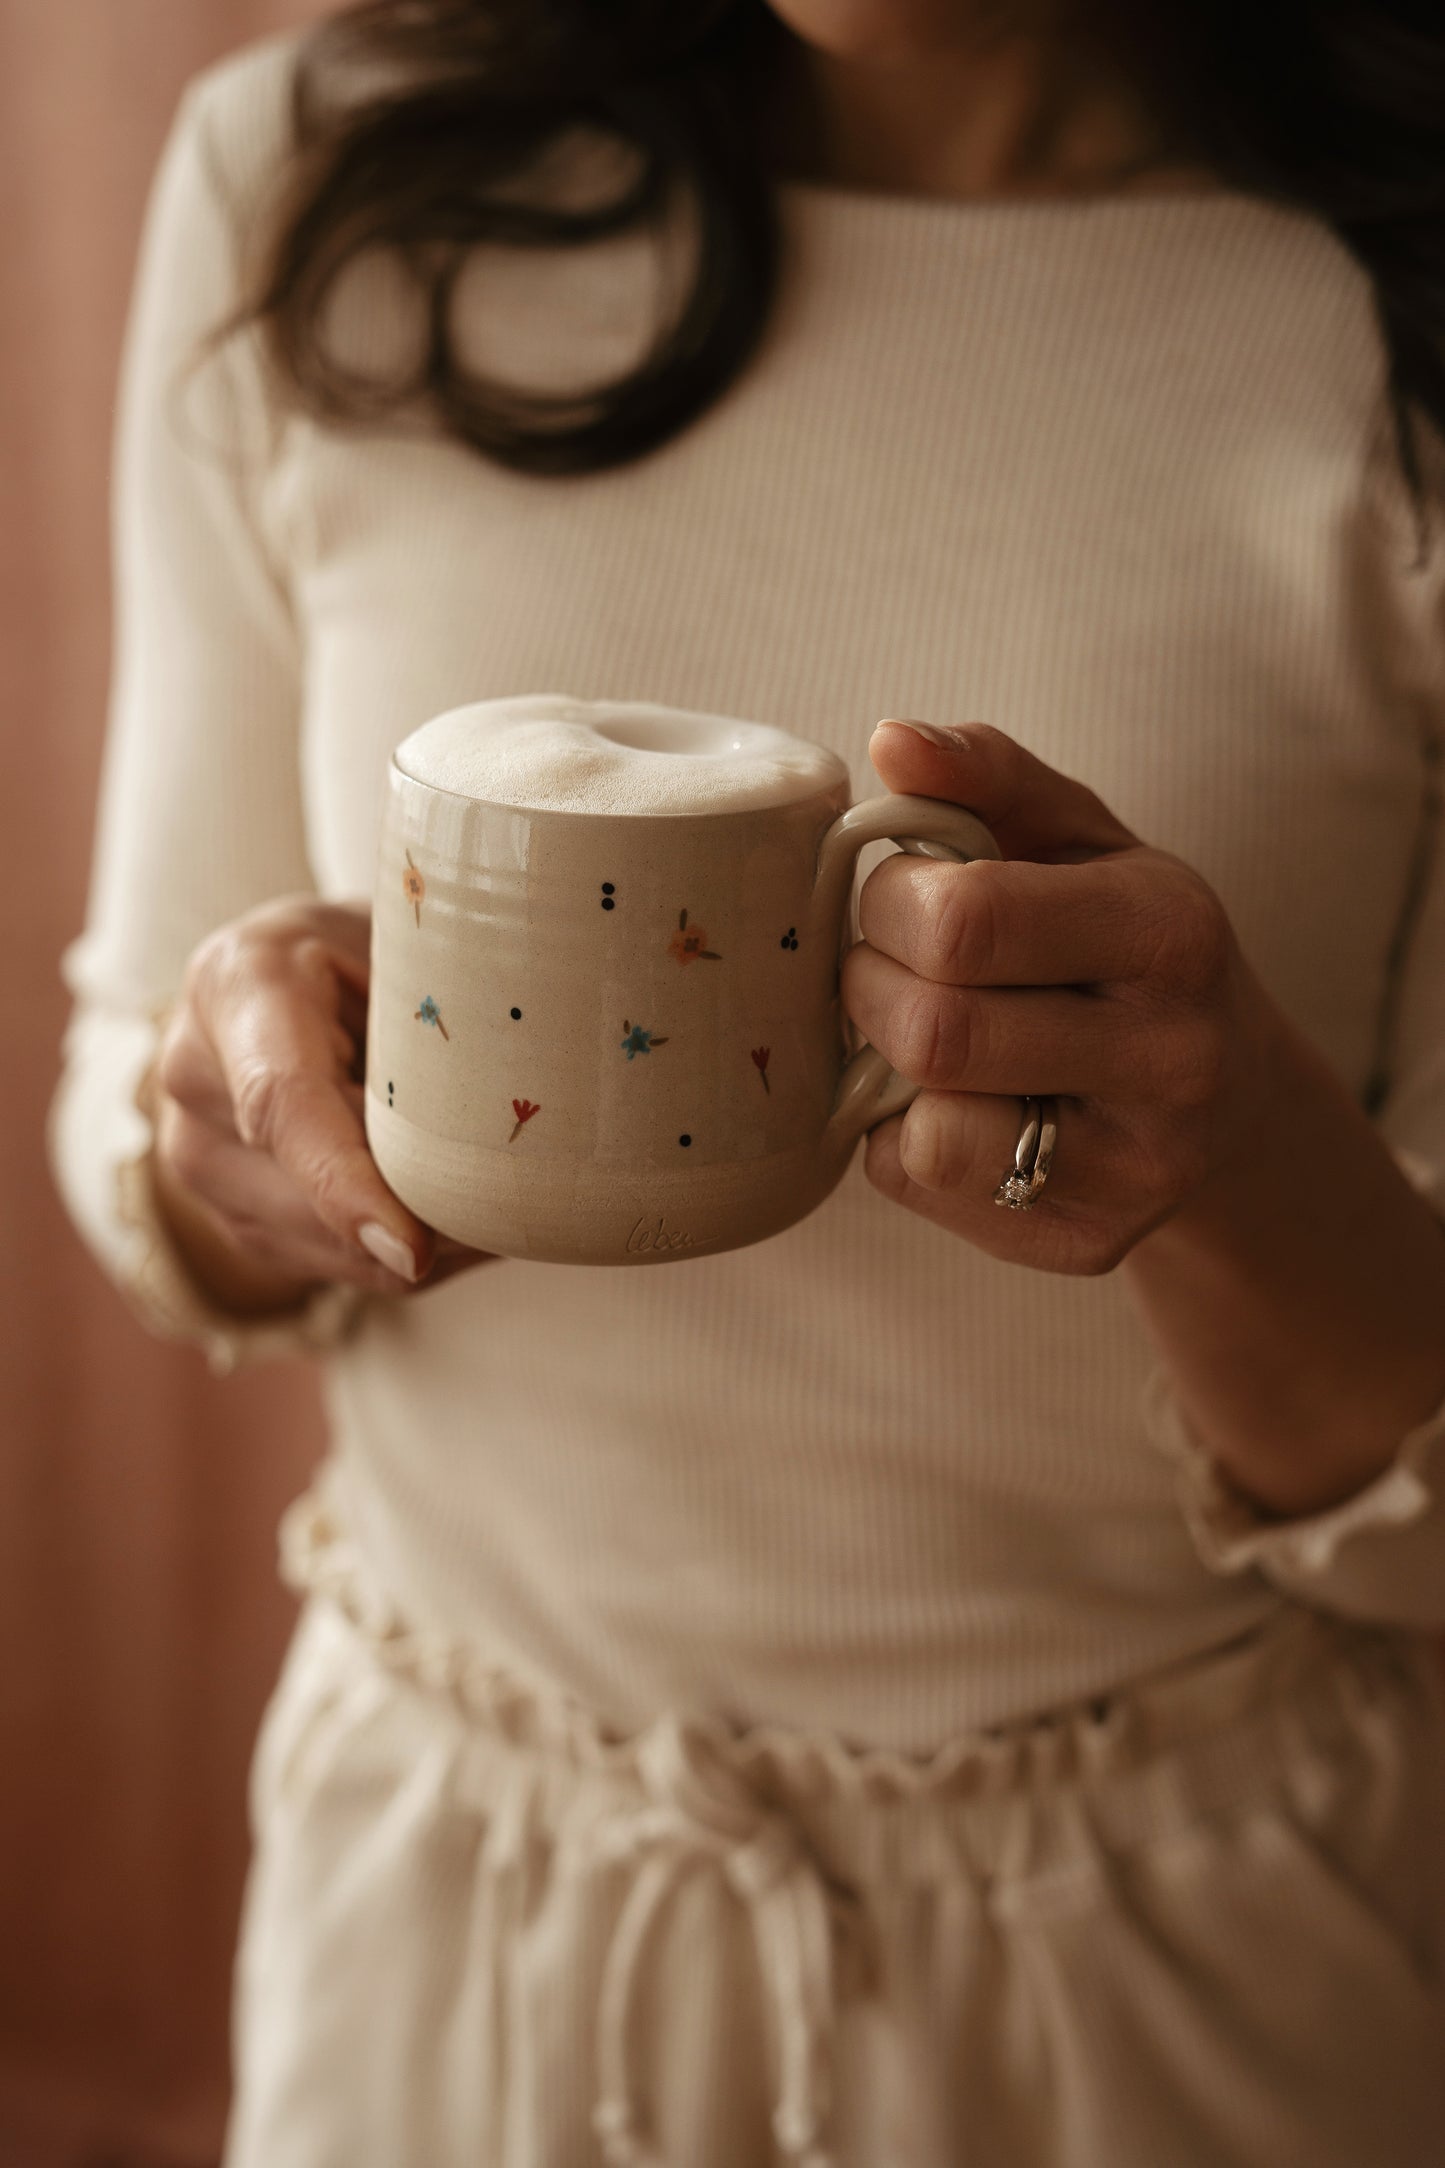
1033	1156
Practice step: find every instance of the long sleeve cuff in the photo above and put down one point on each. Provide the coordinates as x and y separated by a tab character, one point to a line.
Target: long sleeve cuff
100	1141
1378	1555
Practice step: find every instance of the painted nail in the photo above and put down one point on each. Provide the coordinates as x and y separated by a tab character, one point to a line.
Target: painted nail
928	731
389	1250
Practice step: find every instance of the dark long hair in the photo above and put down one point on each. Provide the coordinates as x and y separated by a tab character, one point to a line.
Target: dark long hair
1332	107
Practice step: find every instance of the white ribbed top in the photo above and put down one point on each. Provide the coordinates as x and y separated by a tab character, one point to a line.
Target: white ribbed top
1113	475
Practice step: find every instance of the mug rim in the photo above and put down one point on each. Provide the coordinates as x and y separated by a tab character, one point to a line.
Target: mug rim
562	812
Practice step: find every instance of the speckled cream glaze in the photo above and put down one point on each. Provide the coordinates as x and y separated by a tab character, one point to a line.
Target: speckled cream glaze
611	1039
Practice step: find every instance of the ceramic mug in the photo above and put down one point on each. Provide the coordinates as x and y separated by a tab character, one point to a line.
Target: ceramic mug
617	1038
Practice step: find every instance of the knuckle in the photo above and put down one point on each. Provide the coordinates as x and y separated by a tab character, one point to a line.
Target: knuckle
1160	1159
254	1234
207	962
1189	1163
221	966
311	956
250	947
1100	1247
1187	1061
171	1067
264	1242
189	1149
961	936
882	1161
261	1099
989	741
280	919
178	1066
928	1040
1141	1152
1172	1157
330	1190
929	1147
1193	938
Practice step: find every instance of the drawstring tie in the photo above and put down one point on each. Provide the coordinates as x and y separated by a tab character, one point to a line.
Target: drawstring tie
689	1821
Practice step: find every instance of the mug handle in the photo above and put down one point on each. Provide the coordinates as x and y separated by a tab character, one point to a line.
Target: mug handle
870	1088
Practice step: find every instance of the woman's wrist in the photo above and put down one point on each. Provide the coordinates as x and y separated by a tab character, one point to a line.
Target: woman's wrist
1297	1299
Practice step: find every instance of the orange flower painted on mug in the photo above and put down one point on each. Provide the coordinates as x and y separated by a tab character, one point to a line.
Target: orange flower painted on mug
690	942
413	887
524	1109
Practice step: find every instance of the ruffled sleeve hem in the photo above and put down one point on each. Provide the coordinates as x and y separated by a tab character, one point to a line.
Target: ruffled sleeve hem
168	1300
1232	1534
1378	1554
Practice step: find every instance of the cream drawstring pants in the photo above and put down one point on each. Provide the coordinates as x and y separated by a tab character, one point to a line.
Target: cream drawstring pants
1201	1925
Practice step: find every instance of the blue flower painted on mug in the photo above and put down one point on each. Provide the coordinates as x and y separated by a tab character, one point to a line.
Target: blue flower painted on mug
638	1041
429	1013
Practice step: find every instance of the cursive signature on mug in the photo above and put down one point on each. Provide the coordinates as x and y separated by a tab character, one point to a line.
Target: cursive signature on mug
646	1237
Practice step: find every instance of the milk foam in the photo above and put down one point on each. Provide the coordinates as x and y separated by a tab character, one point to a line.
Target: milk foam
550	753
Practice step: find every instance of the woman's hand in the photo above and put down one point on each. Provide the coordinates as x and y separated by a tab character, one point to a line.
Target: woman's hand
1083	964
261	1159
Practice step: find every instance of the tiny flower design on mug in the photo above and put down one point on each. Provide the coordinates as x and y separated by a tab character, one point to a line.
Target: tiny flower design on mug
429	1013
413	886
524	1109
638	1041
760	1063
690	942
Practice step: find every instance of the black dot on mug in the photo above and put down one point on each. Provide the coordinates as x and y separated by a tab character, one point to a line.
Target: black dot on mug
391	1095
684	1139
516	1016
609	897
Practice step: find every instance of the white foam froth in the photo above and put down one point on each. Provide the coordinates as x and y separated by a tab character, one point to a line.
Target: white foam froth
550	753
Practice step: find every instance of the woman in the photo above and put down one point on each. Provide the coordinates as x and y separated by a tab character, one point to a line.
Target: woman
951	1682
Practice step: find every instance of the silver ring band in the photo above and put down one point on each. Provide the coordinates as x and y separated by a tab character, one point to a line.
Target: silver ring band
1033	1155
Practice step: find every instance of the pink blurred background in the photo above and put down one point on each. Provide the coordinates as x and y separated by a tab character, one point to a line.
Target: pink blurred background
139	1611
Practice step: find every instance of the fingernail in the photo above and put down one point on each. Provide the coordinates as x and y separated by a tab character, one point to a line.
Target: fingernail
389	1250
928	731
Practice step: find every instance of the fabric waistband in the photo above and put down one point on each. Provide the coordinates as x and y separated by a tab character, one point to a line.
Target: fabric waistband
798	1824
1226	1696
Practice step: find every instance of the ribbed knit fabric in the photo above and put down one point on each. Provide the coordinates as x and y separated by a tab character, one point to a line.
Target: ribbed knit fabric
1113	475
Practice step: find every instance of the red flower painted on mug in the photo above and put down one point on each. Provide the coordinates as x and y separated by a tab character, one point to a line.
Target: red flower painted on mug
413	886
760	1061
690	942
524	1110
